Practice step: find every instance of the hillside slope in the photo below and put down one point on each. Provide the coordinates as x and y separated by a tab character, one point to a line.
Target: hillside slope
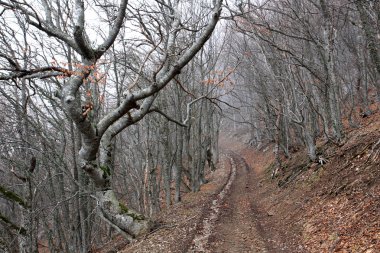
336	206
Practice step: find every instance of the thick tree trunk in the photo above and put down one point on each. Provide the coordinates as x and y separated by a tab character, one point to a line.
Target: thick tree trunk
122	218
329	34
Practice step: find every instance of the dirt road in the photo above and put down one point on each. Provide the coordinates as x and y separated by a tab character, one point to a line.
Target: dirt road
238	222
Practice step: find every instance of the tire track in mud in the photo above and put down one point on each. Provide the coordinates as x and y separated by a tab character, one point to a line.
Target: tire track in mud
239	228
201	238
233	221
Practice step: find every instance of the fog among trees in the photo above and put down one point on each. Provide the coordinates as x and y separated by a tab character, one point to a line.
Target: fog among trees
112	109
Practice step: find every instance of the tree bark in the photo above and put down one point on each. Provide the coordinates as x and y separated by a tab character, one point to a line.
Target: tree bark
372	43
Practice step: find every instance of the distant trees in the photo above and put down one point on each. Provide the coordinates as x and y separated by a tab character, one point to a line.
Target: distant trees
74	75
370	24
307	65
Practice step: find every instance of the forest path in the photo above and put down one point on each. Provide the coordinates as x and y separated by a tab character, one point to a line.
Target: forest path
238	228
242	224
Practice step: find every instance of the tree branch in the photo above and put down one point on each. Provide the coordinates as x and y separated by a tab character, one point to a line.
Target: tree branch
115	29
165	76
167	117
34	73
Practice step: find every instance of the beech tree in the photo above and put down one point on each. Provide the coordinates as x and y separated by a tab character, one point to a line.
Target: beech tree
160	59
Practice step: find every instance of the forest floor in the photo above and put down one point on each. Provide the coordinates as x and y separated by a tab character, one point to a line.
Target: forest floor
308	207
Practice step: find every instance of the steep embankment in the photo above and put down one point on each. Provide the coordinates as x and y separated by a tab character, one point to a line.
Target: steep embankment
335	206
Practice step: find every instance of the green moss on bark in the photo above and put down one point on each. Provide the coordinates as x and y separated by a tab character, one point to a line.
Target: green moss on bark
106	171
126	211
12	196
123	208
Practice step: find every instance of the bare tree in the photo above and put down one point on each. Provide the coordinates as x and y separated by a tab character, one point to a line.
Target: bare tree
156	70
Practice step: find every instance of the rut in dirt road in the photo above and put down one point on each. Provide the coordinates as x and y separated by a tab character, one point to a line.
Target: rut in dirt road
201	239
238	229
234	223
